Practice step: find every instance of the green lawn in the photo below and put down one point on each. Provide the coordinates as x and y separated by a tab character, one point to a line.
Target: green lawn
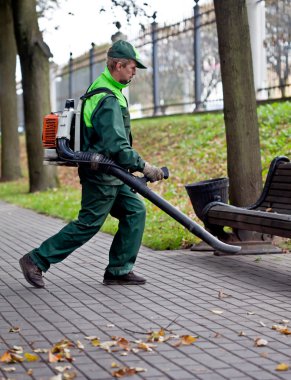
191	146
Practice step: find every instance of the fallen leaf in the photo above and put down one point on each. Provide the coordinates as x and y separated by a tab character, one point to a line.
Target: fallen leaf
188	339
61	345
114	365
146	346
123	343
222	295
219	312
285	321
282	367
62	368
17	349
250	313
258	259
8	369
262	324
30	372
259	342
80	345
67	355
69	375
54	358
185	339
6	357
57	377
16	358
107	345
31	357
95	342
241	333
282	329
127	371
14	329
157	336
110	325
41	350
91	337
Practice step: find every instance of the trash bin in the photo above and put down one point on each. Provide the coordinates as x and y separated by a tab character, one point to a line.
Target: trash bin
204	192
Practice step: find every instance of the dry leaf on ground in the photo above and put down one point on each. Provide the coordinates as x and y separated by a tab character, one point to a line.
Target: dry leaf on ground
127	371
282	367
282	329
14	329
31	357
8	369
259	342
219	312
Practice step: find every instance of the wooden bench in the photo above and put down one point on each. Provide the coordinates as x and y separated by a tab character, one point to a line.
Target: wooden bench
271	214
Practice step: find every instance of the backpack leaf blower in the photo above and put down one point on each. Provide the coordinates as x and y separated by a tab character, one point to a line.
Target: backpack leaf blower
61	142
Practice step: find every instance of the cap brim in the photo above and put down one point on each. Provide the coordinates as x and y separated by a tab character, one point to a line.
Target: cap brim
139	65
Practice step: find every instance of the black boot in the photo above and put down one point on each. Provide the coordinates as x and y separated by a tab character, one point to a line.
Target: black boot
125	279
31	272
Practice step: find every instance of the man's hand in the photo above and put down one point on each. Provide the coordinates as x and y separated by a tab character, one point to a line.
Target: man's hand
153	173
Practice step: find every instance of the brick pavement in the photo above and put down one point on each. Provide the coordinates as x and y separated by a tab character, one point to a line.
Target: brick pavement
182	294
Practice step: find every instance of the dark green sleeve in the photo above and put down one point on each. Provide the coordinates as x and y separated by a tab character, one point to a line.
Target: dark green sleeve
112	136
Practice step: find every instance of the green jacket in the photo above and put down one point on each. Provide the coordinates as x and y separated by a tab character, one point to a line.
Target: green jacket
106	130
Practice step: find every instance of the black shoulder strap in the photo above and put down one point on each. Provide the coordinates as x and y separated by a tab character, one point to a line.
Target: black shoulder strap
97	91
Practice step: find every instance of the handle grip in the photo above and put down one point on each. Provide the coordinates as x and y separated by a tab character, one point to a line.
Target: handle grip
165	170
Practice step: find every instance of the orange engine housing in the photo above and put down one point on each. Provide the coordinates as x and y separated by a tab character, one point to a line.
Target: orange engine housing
49	130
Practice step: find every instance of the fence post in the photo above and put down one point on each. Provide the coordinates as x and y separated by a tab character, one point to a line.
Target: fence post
197	55
70	75
91	54
156	100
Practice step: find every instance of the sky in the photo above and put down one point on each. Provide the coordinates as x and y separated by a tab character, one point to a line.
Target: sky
77	23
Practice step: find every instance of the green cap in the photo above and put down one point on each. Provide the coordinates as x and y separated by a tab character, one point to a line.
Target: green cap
123	49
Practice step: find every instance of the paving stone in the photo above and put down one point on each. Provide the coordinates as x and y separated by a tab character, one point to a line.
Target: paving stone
75	304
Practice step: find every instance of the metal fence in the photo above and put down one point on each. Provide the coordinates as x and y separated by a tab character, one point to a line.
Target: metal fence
183	64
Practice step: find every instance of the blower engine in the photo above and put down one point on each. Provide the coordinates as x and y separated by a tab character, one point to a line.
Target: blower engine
65	125
61	142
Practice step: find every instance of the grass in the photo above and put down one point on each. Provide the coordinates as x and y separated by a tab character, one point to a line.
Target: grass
192	147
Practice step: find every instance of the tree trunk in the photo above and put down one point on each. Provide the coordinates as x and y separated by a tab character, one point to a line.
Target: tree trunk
10	158
240	113
34	58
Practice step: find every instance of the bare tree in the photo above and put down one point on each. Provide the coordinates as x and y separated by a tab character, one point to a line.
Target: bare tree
240	114
34	58
10	160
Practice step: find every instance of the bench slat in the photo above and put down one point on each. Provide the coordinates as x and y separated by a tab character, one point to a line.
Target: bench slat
283	170
281	193
281	186
277	206
252	227
282	179
276	199
250	220
277	210
284	166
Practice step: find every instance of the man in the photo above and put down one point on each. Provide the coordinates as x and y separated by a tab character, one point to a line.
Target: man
106	130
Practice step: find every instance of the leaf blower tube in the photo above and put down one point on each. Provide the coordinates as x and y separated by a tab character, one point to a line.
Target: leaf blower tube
104	164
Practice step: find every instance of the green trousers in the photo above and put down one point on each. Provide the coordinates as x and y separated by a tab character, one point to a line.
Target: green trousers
97	202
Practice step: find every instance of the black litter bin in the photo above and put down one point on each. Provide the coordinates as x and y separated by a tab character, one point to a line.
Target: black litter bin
204	192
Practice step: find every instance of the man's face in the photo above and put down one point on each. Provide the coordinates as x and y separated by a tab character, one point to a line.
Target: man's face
126	73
